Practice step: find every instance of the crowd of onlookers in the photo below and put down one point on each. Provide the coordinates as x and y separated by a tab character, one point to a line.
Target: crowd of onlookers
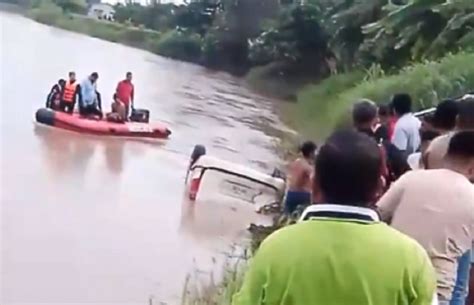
393	216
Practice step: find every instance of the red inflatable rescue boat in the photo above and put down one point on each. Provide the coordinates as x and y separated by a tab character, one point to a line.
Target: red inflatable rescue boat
80	124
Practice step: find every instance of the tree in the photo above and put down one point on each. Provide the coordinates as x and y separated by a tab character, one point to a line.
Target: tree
72	6
235	22
197	16
297	37
420	29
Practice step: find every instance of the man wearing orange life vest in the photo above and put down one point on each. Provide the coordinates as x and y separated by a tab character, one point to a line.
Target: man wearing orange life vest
70	95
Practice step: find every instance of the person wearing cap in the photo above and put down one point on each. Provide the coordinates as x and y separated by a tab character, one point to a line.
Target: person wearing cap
90	105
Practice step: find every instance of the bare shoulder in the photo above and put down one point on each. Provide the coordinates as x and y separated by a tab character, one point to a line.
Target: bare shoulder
439	142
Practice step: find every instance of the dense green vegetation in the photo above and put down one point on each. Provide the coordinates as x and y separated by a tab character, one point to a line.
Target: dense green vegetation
288	44
304	42
322	107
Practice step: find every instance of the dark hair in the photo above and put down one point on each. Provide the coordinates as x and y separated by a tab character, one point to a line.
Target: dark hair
198	151
72	73
364	112
61	81
462	145
385	110
95	74
348	168
429	119
445	114
466	114
128	73
402	103
308	148
428	135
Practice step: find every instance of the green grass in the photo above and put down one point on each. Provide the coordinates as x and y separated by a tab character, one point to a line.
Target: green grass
51	14
197	291
316	102
180	45
172	44
321	108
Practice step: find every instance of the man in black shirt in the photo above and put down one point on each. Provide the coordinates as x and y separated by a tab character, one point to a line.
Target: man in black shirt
54	95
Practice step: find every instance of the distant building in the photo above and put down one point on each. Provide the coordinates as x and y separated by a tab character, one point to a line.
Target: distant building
102	11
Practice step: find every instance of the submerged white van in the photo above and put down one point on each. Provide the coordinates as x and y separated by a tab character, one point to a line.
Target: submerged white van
212	177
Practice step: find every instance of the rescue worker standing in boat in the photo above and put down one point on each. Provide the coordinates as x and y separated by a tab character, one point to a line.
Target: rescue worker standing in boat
54	97
125	94
70	94
90	105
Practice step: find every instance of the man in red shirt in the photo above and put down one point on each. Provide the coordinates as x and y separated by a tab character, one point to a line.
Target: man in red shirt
125	92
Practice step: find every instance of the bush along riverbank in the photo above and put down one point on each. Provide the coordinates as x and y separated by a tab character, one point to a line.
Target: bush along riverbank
229	35
323	107
285	45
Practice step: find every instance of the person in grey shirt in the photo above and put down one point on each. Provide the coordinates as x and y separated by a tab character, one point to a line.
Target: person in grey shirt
406	135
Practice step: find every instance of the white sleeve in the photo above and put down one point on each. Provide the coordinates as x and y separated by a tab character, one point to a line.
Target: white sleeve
400	139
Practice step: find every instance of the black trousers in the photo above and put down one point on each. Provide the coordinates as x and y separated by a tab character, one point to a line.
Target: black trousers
90	110
67	107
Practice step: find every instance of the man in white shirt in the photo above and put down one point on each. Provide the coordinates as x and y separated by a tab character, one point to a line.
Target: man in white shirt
406	135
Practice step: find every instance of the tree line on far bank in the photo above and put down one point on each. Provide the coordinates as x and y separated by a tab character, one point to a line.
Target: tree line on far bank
316	38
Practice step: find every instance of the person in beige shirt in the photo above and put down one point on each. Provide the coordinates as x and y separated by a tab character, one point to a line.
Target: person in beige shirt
433	157
436	207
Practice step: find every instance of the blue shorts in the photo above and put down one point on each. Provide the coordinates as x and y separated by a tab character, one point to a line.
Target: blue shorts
296	198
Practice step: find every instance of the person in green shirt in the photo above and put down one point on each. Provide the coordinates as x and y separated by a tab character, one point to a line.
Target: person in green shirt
340	253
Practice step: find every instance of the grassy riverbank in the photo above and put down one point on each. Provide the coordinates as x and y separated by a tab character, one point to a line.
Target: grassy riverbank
208	292
322	107
169	44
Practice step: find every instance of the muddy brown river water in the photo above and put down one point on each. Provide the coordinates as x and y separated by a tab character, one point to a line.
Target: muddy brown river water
90	220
